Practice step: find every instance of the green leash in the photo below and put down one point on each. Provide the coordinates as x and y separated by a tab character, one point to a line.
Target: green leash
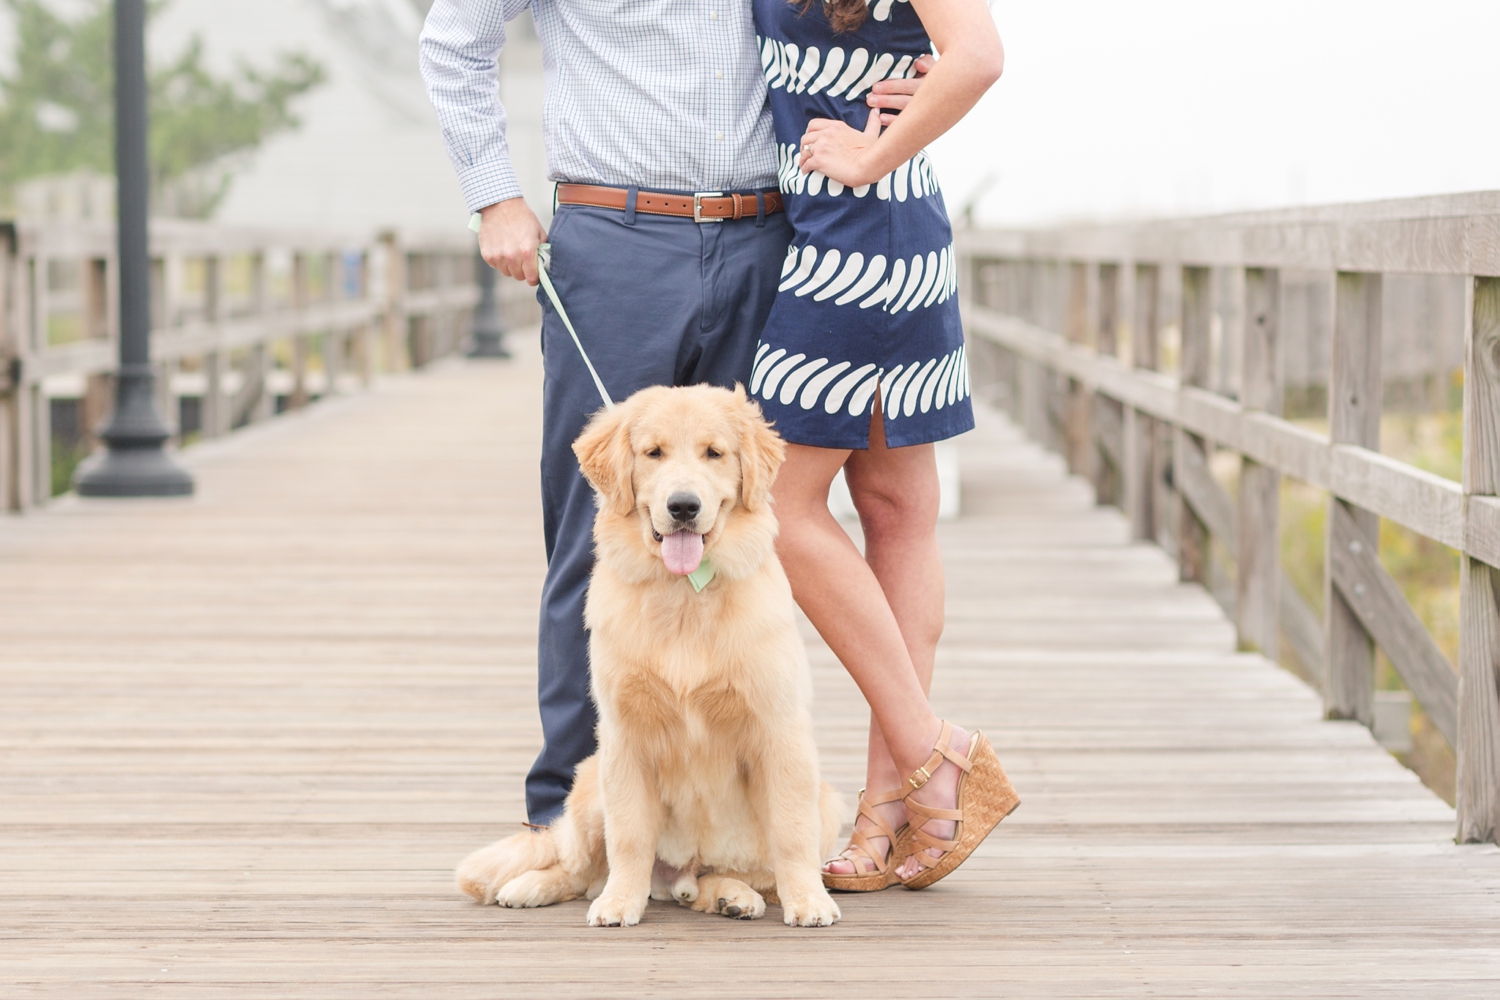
704	574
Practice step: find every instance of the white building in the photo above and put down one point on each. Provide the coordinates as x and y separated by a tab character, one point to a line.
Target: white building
369	153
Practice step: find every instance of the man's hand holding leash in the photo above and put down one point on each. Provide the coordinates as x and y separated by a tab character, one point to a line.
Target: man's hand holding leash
509	233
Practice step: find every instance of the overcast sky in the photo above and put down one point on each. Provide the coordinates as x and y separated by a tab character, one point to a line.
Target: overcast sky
1166	107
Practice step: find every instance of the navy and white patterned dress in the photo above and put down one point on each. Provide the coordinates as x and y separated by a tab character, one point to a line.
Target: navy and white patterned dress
867	302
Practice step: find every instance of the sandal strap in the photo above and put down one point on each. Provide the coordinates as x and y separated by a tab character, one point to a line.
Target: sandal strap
920	814
932	812
867	810
860	851
926	839
940	750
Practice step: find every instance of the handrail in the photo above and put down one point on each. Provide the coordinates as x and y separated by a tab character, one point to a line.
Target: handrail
223	298
1052	307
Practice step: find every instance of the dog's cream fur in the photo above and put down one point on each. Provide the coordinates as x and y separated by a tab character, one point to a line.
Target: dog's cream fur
705	788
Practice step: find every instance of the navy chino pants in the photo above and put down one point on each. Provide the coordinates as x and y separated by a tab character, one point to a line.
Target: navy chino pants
656	300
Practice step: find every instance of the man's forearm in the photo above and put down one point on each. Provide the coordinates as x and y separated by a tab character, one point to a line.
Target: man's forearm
460	45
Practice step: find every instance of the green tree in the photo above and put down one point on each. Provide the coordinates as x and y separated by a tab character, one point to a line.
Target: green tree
57	107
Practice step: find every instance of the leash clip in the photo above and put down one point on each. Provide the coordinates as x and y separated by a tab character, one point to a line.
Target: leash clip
698	206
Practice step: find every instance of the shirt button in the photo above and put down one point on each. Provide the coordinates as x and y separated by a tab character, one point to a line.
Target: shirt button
714	16
718	74
719	136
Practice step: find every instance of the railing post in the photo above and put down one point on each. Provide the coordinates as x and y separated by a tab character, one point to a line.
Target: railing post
1077	323
216	418
1258	555
10	366
259	402
396	358
1108	419
36	443
1354	398
1478	780
1144	461
299	331
1033	378
335	339
16	334
1197	320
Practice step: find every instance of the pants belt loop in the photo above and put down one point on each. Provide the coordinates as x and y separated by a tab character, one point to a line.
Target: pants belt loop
760	210
630	193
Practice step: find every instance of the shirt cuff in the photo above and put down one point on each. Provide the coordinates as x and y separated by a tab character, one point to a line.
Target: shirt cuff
488	182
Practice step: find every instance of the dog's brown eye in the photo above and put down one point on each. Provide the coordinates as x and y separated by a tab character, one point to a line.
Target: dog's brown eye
654	453
713	453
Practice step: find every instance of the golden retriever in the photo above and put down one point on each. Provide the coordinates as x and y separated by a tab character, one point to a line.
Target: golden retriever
705	788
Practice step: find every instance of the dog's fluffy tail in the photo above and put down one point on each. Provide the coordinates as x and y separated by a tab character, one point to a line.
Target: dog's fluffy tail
568	856
483	873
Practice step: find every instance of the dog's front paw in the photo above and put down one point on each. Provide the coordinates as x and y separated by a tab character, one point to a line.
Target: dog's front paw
812	909
730	897
611	910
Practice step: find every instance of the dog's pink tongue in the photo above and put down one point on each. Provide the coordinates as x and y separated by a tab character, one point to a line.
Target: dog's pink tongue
682	551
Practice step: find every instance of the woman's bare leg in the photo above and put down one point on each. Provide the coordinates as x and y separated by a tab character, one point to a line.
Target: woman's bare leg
881	613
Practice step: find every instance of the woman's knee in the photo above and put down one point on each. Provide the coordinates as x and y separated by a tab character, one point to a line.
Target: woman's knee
900	507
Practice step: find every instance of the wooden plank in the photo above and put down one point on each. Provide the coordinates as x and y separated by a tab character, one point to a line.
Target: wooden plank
1138	473
1482	529
1209	503
1258	551
1109	432
1141	463
1197	321
1478	780
1478	745
1482	390
1432	239
1370	592
1353	418
1414	498
1302	629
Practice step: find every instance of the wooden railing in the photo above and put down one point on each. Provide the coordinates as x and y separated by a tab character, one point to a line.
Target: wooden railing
246	323
1067	326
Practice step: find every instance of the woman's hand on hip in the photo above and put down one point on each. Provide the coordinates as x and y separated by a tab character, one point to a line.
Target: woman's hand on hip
838	151
892	96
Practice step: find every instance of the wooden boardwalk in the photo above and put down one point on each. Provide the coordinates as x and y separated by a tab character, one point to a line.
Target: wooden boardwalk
245	738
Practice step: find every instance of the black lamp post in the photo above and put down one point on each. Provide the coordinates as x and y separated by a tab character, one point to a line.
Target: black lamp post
489	328
136	463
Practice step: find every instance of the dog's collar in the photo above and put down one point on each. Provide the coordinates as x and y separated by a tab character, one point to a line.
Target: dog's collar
703	575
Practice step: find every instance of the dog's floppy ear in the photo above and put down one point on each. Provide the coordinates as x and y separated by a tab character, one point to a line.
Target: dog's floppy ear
761	453
604	455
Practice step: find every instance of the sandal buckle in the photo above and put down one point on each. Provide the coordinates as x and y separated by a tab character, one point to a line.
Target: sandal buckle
915	784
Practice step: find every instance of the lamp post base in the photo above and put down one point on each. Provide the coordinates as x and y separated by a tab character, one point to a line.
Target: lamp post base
488	345
136	463
133	472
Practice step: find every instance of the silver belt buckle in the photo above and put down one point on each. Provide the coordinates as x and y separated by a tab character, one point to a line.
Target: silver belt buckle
698	205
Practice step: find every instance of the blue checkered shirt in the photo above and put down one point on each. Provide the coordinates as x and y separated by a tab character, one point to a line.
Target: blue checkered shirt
664	94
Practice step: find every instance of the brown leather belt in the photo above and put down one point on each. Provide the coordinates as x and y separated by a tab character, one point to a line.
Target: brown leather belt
706	206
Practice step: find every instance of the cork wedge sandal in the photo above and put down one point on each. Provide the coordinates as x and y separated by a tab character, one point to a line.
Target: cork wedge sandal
985	797
870	873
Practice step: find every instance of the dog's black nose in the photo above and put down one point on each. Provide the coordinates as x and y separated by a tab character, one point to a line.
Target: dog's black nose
683	506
